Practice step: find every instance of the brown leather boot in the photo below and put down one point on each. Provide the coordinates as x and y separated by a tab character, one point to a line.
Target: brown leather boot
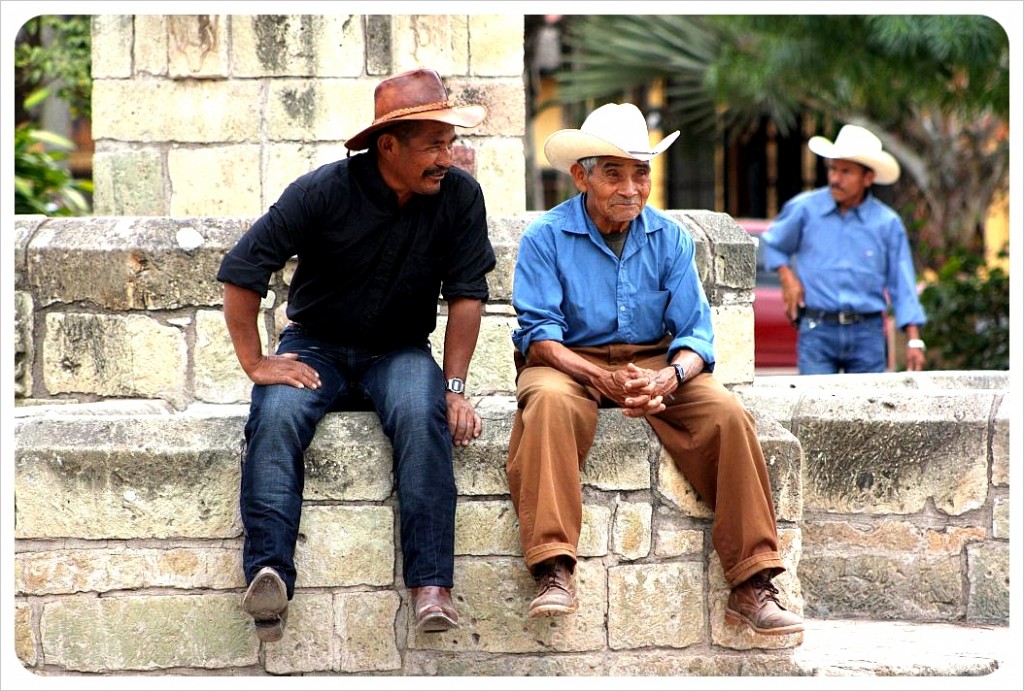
556	593
754	603
266	601
434	610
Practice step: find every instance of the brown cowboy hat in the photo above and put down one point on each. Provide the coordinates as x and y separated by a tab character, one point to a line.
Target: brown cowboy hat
414	95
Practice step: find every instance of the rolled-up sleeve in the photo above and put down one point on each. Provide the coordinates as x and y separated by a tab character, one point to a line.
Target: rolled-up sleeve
473	256
537	294
688	314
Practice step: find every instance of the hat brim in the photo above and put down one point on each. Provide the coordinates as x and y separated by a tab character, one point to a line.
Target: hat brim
460	116
565	147
885	166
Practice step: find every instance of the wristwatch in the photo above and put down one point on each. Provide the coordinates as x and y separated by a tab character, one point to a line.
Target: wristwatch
455	385
916	343
680	373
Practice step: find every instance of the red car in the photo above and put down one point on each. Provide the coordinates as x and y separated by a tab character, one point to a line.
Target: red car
774	334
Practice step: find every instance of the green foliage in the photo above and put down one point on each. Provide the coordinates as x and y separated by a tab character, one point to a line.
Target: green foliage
42	183
968	309
63	63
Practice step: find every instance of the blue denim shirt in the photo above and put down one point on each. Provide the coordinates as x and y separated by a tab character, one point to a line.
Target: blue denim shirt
569	287
846	262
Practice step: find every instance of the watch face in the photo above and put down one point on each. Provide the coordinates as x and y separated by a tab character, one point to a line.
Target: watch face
455	385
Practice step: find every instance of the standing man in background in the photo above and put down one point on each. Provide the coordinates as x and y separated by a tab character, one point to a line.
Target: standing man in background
843	258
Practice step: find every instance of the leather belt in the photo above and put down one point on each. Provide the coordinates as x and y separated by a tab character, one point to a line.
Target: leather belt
841	317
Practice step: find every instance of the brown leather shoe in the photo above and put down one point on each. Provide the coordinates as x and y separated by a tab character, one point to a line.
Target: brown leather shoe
556	592
266	601
434	609
754	603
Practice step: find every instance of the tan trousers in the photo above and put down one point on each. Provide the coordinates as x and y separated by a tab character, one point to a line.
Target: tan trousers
704	429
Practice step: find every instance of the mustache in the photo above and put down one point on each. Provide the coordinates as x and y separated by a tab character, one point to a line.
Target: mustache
438	170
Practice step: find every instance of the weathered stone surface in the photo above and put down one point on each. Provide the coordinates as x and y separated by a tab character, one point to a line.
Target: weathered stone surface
150	49
111	34
131	263
217	376
297	45
486	527
234	167
844	536
492	370
480	467
632	531
24	344
101	570
126	477
594	534
131	355
988	573
670	663
310	643
677	490
673	538
121	110
24	637
883	586
492	599
197	46
498	161
349	459
655	605
620	456
441	41
493	48
1001	518
136	183
366	626
461	664
734	356
884	452
345	545
1001	443
147	633
290	160
378	44
306	110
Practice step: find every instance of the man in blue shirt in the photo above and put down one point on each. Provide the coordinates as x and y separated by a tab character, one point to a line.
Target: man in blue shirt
612	313
378	237
851	261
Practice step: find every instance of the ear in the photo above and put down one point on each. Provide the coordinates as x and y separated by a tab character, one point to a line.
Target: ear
869	176
387	144
579	177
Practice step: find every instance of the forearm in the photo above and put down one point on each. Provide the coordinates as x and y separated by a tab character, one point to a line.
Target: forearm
693	364
555	354
460	336
241	309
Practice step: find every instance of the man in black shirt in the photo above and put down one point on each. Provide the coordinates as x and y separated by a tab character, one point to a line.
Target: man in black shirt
378	237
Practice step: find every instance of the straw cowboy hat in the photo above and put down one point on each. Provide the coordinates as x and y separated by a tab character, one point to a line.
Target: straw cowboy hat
856	144
614	129
414	95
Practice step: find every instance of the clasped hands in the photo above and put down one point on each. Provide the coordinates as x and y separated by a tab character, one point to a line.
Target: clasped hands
640	391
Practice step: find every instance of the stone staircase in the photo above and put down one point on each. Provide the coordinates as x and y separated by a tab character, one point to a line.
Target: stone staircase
892	493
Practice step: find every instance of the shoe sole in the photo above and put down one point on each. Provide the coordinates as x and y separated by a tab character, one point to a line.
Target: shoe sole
737	619
541	611
266	601
436	622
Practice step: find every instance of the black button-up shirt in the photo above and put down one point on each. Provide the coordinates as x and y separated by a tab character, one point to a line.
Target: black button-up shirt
369	273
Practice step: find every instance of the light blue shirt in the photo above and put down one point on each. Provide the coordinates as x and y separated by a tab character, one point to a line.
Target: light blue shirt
846	262
569	287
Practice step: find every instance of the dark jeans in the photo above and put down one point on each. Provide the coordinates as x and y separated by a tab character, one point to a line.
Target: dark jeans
406	388
826	347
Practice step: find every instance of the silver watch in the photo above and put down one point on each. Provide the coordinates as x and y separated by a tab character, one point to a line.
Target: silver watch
455	385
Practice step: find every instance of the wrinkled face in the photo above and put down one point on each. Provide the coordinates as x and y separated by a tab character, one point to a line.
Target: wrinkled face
414	158
617	191
848	182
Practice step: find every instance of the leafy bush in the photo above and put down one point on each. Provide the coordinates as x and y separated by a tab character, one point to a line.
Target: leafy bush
42	183
968	308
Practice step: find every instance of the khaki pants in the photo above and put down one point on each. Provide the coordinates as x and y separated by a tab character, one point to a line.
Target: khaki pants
704	429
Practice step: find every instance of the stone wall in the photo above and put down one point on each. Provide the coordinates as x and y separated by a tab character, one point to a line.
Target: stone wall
129	307
213	115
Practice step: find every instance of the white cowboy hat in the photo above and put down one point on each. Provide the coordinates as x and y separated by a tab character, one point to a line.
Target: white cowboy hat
857	144
614	129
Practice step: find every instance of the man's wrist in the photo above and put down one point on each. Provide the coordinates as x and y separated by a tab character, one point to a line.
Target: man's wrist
455	385
916	343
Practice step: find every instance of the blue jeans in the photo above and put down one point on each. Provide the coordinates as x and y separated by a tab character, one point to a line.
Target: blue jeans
406	389
827	347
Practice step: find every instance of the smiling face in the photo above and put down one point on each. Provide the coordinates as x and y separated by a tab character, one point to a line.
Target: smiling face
617	191
415	156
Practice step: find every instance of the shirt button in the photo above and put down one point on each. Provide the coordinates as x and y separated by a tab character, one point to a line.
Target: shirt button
622	308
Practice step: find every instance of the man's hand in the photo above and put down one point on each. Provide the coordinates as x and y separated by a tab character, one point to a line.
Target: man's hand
283	369
637	391
915	359
464	423
792	292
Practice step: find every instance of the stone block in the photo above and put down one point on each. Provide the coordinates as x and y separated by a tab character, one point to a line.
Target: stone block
297	45
127	567
24	344
655	605
501	161
310	642
496	45
147	632
620	458
492	370
199	179
112	38
197	46
287	161
492	597
217	376
345	545
1001	518
130	355
366	625
631	533
506	119
150	49
882	452
191	112
486	527
594	533
349	460
1001	443
123	477
299	110
377	29
675	535
24	637
131	263
988	575
134	183
734	350
438	40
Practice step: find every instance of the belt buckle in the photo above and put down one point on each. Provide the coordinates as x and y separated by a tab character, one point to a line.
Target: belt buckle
847	318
